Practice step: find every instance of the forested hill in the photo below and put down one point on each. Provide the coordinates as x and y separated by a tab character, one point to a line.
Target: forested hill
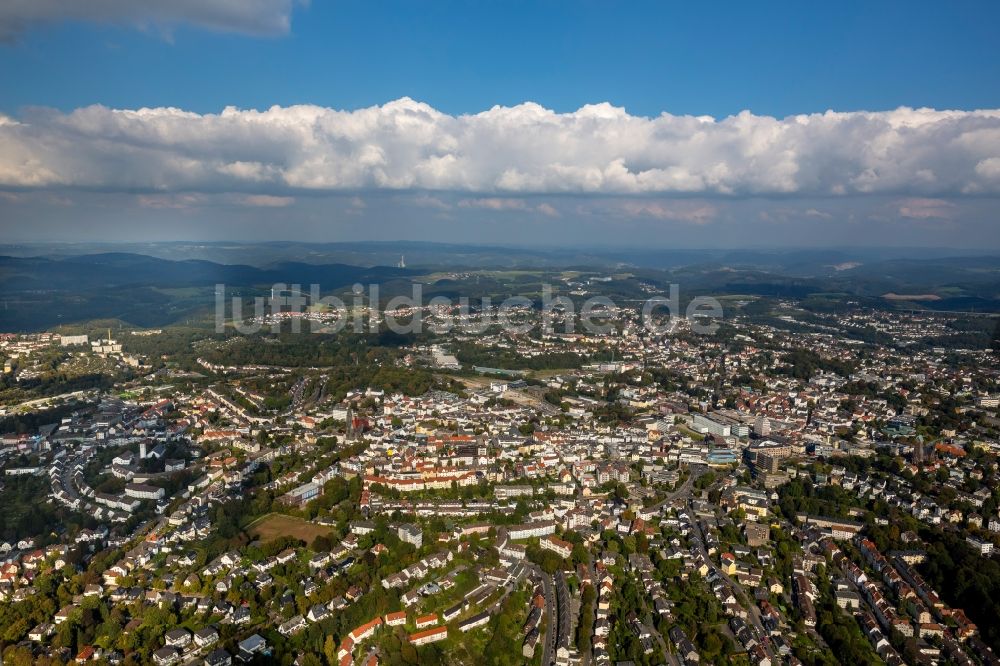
117	269
41	292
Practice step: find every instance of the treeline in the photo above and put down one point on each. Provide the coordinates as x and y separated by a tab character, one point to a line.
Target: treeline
348	361
290	350
699	614
970	333
800	495
32	421
511	360
52	383
804	363
872	390
23	508
964	579
178	343
840	631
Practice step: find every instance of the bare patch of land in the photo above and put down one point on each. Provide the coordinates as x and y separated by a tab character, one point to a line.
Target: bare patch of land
276	525
911	297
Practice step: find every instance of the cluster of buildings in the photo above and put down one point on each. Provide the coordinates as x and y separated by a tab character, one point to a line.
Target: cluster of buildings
667	465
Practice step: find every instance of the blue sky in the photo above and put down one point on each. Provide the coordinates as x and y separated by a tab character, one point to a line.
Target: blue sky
835	180
777	59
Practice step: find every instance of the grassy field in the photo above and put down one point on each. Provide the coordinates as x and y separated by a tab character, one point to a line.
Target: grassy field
691	433
275	525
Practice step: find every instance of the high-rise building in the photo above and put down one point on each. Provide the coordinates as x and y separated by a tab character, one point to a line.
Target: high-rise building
762	426
411	534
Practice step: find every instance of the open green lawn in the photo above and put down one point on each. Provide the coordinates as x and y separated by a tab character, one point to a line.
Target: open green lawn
691	433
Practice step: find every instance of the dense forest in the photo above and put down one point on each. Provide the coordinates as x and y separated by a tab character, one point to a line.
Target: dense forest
964	579
350	362
509	359
804	363
32	421
24	506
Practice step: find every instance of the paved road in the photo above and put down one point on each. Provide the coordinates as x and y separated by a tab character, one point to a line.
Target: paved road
564	608
297	393
752	609
683	491
650	625
587	654
67	478
551	627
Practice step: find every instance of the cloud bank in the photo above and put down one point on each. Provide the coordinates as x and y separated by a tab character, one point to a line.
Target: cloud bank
255	17
506	151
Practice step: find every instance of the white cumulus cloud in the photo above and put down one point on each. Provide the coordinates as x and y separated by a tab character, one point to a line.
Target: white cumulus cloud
494	203
926	209
503	153
187	200
678	211
501	203
265	200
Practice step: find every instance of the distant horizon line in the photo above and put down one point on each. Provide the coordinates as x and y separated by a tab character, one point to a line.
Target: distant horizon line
540	246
